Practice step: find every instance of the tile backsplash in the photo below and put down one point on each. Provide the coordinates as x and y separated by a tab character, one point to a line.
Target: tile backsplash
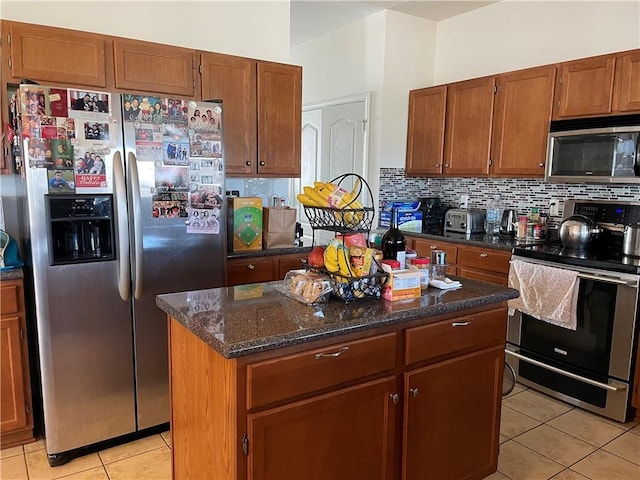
518	193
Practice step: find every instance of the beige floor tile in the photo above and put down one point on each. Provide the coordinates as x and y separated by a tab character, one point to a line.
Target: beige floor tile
586	427
13	468
11	452
33	446
521	463
536	405
569	474
130	449
635	430
98	473
167	437
626	446
605	465
503	438
558	446
153	465
513	423
38	465
496	476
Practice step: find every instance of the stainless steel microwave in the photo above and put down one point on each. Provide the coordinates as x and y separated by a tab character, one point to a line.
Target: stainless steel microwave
594	150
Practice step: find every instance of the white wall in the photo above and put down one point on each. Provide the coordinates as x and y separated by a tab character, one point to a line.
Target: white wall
256	29
516	34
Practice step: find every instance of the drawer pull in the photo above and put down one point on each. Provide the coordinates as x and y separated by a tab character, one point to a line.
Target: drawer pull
434	247
414	392
395	398
251	266
334	354
462	324
484	255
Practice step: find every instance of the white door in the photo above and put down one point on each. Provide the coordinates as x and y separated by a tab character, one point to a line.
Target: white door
334	142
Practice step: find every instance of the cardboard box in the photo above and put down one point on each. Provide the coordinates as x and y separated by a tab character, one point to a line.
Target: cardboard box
244	232
402	284
408	213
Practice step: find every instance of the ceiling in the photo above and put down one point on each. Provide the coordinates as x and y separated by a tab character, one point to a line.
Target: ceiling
313	18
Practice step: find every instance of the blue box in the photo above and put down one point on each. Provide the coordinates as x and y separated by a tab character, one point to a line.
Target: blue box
408	213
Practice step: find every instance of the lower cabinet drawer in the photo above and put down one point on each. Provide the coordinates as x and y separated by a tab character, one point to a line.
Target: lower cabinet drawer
249	271
485	259
281	378
469	332
9	299
484	276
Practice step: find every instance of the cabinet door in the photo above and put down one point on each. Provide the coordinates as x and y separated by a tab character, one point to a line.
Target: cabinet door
289	263
152	67
452	417
233	79
468	127
13	412
279	119
349	433
585	87
56	55
523	106
424	247
425	133
627	90
251	270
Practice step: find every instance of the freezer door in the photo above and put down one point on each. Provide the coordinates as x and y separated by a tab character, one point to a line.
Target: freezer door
165	259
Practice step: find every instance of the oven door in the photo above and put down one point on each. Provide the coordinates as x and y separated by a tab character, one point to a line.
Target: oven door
592	366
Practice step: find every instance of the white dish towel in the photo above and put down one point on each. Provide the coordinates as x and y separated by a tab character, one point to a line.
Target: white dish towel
546	293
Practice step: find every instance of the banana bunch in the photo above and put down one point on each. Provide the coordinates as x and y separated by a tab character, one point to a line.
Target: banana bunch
329	195
336	258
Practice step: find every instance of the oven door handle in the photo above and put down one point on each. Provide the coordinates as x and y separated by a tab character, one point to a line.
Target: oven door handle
565	373
598	278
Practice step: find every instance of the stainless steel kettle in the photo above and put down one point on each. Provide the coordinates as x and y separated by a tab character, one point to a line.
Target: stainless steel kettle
508	222
578	231
631	240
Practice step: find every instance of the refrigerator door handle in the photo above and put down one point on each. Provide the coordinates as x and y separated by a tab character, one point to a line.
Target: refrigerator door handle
132	165
120	191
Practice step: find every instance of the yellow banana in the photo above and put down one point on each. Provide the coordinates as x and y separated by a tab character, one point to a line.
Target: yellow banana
344	264
331	258
313	195
305	200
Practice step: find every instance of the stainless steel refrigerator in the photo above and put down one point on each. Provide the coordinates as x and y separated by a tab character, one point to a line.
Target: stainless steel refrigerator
124	194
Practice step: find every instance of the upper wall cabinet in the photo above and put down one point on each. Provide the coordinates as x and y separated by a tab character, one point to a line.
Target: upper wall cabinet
522	112
627	86
604	85
233	80
55	55
262	104
468	127
279	119
425	131
152	67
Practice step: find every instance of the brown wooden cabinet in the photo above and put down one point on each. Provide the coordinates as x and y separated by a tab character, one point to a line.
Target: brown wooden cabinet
522	112
56	55
261	269
16	419
468	261
152	67
263	114
375	405
425	133
468	127
626	98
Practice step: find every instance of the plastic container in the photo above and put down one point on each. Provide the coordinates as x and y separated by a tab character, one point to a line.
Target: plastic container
409	256
393	264
424	265
493	216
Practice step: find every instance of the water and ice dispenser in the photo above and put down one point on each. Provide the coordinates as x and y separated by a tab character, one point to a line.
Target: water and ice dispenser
81	228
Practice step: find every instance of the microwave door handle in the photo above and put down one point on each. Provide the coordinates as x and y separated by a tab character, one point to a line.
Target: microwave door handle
636	162
136	213
564	372
598	278
122	226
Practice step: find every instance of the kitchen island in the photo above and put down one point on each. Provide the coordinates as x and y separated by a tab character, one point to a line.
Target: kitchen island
265	387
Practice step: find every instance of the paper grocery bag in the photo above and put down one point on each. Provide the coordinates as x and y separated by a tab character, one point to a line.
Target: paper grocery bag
278	227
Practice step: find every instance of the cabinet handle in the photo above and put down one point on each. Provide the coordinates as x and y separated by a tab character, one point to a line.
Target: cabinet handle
437	165
414	392
434	247
251	266
395	398
335	354
484	255
446	165
248	163
541	165
262	164
462	324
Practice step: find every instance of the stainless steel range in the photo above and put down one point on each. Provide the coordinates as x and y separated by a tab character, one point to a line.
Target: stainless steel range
591	366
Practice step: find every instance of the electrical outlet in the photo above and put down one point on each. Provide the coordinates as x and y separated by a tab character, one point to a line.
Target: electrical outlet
554	207
464	201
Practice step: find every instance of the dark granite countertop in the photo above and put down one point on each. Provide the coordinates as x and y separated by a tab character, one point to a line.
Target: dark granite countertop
269	252
11	274
234	324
